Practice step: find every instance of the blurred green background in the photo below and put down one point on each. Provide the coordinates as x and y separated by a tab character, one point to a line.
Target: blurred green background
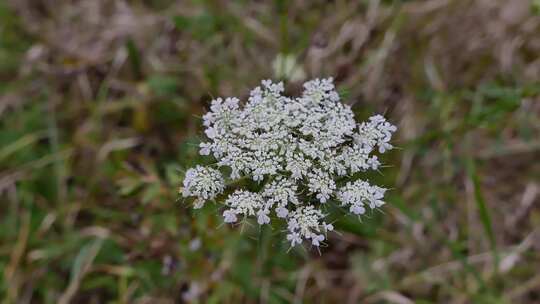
100	106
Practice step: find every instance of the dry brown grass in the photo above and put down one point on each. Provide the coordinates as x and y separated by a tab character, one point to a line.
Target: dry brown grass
100	106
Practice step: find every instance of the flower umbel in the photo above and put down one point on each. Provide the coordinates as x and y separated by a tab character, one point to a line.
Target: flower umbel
301	152
203	183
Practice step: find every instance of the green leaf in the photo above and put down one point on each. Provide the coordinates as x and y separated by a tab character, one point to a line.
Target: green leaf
150	193
85	258
163	85
482	208
129	185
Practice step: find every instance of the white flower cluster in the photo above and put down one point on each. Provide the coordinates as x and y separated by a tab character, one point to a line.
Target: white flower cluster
357	193
204	183
300	152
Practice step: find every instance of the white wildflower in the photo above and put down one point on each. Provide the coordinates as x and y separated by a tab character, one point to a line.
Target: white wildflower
306	222
375	132
204	183
229	216
360	193
301	152
262	217
282	191
321	183
244	203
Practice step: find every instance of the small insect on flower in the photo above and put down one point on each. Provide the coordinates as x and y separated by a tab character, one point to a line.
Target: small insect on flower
301	152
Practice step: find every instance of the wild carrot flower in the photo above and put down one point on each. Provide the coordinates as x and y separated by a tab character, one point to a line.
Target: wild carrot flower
301	152
204	183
